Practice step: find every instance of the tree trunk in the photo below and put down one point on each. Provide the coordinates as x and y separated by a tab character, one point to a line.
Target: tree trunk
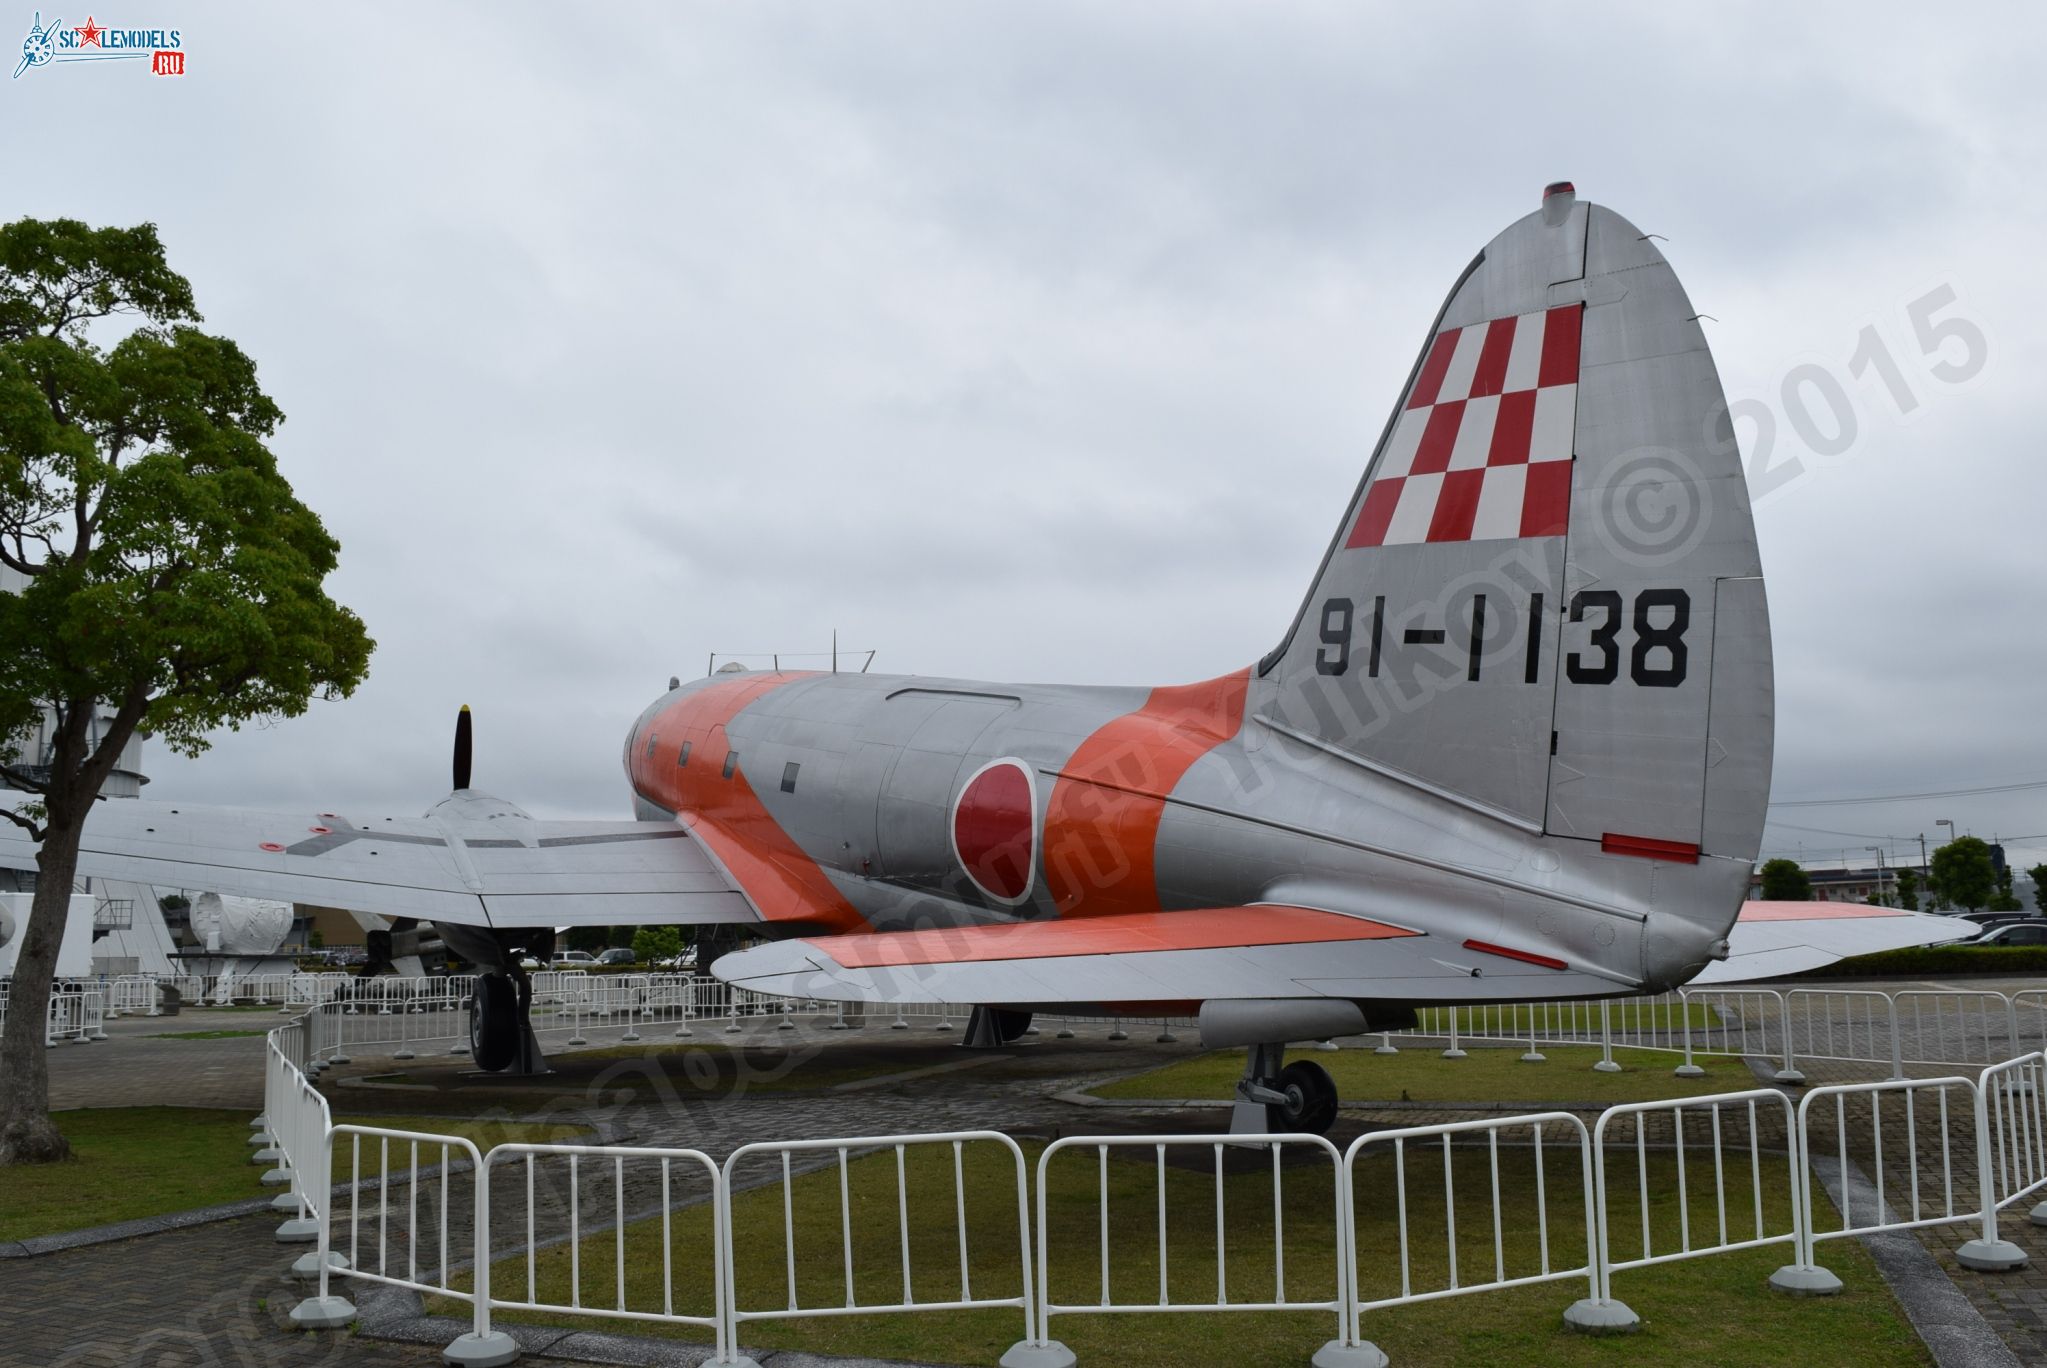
27	1135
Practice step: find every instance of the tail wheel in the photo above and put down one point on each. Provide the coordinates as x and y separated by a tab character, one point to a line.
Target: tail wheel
494	1023
1310	1104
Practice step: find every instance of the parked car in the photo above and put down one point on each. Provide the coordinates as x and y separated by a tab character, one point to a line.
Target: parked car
681	964
573	959
1988	919
528	962
2030	931
616	955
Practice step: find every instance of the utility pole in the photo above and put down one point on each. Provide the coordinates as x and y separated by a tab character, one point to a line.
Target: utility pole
1881	899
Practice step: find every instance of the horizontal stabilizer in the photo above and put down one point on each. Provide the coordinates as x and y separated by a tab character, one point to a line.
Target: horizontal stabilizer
1772	939
1161	960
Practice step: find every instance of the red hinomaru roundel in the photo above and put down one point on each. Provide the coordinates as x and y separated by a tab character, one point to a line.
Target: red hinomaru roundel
995	829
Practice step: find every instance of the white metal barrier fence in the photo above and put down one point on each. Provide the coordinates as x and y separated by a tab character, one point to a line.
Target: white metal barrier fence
1111	1301
851	1303
76	1015
1517	1261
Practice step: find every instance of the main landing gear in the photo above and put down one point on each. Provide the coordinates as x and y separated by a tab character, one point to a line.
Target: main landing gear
1298	1098
501	1036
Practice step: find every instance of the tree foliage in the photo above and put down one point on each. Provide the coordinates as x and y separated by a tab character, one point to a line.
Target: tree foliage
1785	881
169	579
2038	874
652	943
1963	870
2002	899
1908	889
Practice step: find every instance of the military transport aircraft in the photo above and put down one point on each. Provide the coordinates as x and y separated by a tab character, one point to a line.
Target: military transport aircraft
1514	744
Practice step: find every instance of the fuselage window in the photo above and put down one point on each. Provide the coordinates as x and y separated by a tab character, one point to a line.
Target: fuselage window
652	737
789	776
682	756
731	762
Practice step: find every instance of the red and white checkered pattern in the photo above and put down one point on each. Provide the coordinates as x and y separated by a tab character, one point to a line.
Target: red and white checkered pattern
1482	449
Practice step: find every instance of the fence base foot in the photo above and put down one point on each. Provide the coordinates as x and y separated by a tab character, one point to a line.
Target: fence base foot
1326	1045
322	1313
482	1351
2038	1215
306	1268
1535	1057
1805	1280
1606	1066
403	1054
276	1177
268	1155
285	1201
1991	1256
1337	1354
1385	1049
1455	1053
1789	1076
1592	1316
298	1230
1688	1071
1050	1354
261	1138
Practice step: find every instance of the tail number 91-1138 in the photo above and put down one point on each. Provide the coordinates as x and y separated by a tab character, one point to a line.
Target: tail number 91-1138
1655	623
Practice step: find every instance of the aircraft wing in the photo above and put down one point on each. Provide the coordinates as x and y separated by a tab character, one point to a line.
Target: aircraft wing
523	873
1771	939
1152	960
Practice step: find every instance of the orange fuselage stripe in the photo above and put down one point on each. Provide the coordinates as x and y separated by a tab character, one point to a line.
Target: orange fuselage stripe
1102	820
1200	928
784	883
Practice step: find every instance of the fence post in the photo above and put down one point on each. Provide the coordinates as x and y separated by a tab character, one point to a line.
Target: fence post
1802	1277
324	1311
1599	1314
1605	1062
481	1347
1987	1253
1385	1045
1534	1055
1688	1069
1898	1037
1789	1073
1455	1051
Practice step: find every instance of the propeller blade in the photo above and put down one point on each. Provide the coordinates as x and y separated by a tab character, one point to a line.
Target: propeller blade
462	748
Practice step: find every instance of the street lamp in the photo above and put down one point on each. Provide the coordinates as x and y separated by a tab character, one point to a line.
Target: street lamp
1881	899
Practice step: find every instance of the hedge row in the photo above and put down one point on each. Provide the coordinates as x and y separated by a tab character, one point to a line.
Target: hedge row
1937	961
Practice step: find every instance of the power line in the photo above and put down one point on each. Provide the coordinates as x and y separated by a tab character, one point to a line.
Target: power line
1911	797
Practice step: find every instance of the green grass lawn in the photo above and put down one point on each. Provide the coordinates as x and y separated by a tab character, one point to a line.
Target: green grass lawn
1717	1310
129	1162
1419	1074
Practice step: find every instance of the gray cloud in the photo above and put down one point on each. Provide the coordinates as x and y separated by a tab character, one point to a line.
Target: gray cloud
1040	341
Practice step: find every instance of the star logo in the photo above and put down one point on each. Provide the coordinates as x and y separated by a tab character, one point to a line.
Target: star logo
88	36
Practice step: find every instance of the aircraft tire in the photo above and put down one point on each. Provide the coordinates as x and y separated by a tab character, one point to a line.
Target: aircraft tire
494	1023
1310	1104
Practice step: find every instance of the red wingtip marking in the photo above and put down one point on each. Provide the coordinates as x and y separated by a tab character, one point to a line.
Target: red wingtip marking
1650	848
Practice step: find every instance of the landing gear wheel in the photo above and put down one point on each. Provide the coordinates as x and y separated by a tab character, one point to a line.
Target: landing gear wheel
1310	1104
494	1023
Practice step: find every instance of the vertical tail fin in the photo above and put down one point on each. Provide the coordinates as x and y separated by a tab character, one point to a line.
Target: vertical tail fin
1544	598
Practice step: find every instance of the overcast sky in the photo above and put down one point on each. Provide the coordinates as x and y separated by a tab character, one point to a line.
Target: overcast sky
1047	341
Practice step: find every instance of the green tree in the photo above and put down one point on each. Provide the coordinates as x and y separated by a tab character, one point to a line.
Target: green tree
1963	870
1785	881
2003	899
651	943
1908	889
171	580
2038	874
